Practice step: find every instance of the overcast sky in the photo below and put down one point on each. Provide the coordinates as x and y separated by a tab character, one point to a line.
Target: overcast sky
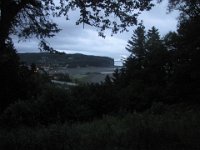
75	39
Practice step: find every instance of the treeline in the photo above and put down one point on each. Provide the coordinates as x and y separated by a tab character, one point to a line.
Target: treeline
151	103
65	60
155	76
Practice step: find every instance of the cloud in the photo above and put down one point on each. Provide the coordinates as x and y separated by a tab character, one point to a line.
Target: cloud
75	39
90	43
160	18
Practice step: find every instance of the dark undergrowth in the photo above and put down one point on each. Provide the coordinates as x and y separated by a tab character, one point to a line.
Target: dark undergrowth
135	131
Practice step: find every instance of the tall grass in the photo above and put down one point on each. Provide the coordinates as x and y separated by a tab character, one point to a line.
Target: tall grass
135	131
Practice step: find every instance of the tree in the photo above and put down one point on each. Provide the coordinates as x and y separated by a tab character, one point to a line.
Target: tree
146	70
185	80
31	18
136	45
9	67
171	41
156	59
27	18
153	40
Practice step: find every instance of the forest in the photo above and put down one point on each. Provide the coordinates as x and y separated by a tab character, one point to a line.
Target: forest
65	60
151	103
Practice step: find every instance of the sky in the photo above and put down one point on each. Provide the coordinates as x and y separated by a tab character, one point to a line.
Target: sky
76	39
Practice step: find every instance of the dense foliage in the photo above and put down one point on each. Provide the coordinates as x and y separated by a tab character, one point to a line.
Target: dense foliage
18	82
151	103
27	18
65	60
133	131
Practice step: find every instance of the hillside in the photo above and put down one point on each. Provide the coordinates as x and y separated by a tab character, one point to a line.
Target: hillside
67	60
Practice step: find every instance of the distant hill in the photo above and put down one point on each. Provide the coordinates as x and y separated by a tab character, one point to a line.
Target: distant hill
68	60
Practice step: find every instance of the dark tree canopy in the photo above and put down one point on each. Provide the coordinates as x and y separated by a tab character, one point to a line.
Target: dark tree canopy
27	18
169	71
33	18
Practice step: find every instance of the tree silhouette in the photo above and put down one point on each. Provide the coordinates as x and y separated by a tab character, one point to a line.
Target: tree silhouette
27	18
153	40
185	80
145	74
136	45
32	18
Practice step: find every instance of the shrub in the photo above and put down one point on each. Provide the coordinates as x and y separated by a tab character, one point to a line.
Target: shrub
169	131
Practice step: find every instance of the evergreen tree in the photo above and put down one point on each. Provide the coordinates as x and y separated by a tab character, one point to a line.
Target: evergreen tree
153	42
31	18
145	75
136	45
185	80
157	57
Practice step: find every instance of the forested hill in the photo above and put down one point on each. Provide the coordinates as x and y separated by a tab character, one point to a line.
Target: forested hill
68	60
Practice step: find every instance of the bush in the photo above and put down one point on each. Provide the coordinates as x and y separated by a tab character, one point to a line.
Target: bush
54	105
168	131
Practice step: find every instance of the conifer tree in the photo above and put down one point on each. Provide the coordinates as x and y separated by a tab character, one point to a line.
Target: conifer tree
157	56
153	42
136	45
